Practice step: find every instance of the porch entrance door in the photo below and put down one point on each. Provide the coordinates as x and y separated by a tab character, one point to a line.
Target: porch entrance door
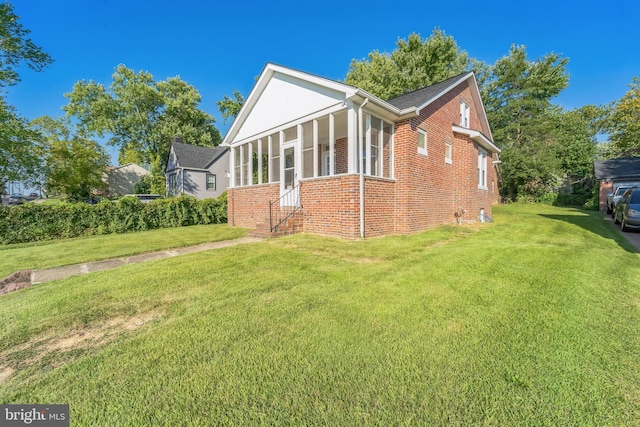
289	192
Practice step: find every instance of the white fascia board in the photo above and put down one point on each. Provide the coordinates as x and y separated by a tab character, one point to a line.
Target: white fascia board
330	110
268	71
477	137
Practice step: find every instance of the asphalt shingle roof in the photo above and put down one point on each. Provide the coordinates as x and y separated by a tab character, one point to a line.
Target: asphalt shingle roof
627	167
193	156
421	96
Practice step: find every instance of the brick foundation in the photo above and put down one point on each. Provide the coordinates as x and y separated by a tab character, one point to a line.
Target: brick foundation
18	280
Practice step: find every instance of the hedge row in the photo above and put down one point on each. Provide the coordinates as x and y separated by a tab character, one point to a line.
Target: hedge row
32	222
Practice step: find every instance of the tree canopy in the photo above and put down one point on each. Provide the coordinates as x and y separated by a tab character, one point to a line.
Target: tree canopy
19	159
73	165
229	108
141	116
17	48
623	124
414	64
518	103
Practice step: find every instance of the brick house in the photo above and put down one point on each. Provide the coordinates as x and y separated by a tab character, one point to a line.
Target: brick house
315	155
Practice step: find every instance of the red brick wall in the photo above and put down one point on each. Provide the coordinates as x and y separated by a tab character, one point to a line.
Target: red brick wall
430	191
605	188
249	206
331	206
379	207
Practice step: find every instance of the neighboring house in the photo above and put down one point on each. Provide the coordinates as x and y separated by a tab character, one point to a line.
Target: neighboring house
123	179
615	172
338	161
199	171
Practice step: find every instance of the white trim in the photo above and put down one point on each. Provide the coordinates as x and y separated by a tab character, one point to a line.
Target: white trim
477	137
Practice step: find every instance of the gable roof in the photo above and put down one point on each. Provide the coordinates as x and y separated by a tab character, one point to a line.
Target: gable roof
193	156
399	108
627	167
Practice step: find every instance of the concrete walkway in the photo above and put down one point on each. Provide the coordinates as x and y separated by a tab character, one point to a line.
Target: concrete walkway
42	276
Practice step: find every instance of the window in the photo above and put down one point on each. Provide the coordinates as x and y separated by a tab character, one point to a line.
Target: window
211	182
173	184
464	114
448	152
482	169
422	142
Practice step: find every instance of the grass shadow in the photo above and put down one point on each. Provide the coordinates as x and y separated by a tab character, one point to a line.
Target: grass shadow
595	222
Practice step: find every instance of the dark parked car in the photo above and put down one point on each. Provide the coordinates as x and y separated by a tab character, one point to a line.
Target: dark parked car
627	212
16	199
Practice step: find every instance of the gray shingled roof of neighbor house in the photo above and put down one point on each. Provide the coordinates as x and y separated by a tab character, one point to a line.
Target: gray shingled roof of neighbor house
422	96
193	156
627	167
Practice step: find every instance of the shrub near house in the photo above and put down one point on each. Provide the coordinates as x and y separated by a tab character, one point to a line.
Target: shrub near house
34	222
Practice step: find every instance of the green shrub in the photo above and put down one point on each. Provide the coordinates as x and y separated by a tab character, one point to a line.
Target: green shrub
32	222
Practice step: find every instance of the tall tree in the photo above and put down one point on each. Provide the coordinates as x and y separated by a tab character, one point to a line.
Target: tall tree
73	164
17	48
414	64
18	142
624	122
138	114
518	103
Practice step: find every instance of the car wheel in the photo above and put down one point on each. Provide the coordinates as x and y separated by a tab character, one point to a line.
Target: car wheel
609	210
623	226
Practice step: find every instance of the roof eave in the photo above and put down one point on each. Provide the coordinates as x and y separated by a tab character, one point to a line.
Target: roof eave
477	137
399	114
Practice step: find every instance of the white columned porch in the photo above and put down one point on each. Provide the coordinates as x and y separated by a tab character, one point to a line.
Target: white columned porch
352	138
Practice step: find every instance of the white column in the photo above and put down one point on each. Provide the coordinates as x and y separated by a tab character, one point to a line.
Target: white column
232	167
259	161
352	138
381	148
332	145
269	155
368	143
250	163
315	148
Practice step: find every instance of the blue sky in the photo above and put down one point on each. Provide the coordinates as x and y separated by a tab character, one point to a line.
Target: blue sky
219	47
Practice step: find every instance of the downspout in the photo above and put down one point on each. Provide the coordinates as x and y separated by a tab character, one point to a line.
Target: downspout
359	159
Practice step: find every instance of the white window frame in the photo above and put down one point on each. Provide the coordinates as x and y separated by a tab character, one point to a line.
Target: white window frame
482	169
423	150
207	182
448	152
464	114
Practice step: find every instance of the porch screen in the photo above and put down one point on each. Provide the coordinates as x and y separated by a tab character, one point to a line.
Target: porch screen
274	167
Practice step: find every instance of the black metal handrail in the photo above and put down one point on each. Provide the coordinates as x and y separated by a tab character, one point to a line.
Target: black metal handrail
284	208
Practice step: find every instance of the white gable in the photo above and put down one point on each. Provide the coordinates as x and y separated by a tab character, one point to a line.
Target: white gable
286	98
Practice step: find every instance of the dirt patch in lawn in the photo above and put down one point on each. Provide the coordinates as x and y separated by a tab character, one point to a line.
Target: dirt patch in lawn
57	349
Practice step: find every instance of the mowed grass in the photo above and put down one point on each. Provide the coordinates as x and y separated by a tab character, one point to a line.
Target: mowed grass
532	320
55	253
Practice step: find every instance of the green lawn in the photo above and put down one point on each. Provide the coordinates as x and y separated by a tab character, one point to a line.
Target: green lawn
533	320
55	253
